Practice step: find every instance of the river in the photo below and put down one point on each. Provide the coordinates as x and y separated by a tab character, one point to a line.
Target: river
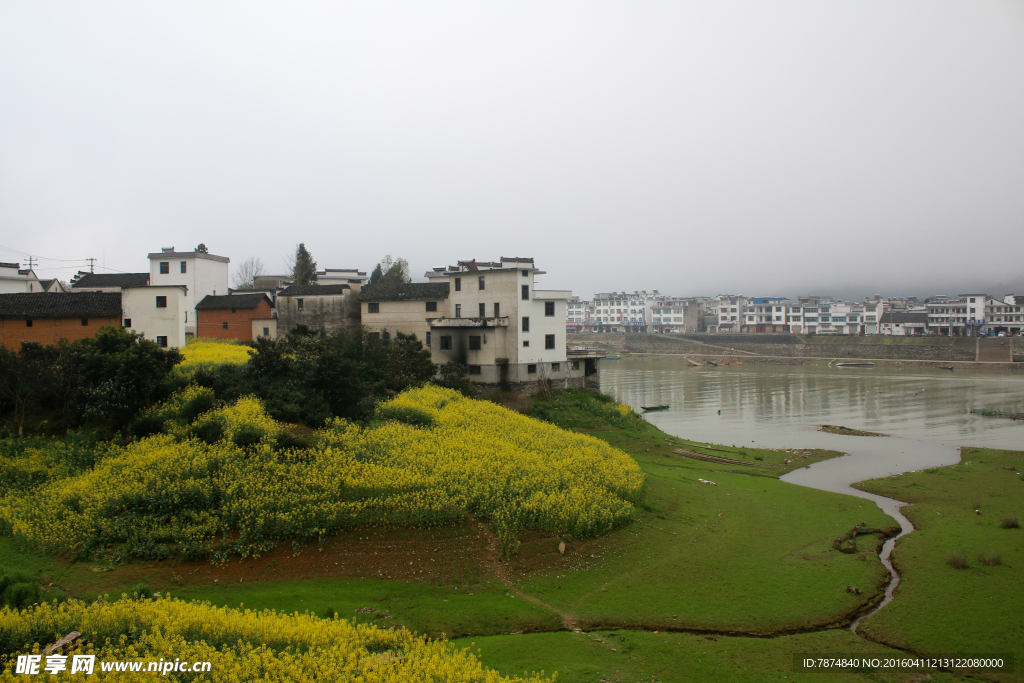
926	412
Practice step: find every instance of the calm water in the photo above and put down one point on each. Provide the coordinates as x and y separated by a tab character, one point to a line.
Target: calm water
926	411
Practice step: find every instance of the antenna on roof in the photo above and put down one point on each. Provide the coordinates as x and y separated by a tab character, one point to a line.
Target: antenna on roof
92	264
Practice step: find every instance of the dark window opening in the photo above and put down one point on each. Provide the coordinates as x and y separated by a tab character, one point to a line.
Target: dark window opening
474	369
458	284
28	323
555	367
575	365
224	326
184	268
428	339
474	343
526	292
165	267
234	310
432	306
526	323
127	322
373	307
446	343
85	322
483	310
526	343
549	341
161	302
531	369
161	342
481	282
497	310
549	308
458	310
266	331
526	273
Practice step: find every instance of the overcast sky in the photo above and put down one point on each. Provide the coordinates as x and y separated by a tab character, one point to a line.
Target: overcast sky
765	147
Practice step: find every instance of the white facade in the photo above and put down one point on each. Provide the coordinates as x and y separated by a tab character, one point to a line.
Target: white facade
342	276
620	312
15	280
202	273
730	312
1005	315
577	314
157	313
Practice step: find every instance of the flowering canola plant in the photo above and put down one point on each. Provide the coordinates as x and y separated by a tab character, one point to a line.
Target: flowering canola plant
200	352
431	457
240	645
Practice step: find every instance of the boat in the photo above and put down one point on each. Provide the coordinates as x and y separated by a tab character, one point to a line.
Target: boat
946	367
854	364
649	409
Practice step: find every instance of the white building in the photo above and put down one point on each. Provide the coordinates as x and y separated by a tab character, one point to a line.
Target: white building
577	315
342	276
200	271
729	308
17	280
620	312
1004	316
156	312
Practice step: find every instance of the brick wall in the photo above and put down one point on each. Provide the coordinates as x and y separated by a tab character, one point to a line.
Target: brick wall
210	324
49	330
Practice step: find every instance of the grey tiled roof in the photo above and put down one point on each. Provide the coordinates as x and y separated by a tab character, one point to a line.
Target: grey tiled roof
92	280
411	291
61	305
315	290
217	303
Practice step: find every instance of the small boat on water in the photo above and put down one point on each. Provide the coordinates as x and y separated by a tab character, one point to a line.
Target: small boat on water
855	364
650	409
946	367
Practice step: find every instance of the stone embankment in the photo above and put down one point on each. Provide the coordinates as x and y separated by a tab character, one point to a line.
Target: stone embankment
785	346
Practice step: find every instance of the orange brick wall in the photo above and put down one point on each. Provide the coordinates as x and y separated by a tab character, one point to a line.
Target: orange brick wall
210	324
49	330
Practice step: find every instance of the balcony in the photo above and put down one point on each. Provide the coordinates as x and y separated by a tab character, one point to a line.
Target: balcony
468	322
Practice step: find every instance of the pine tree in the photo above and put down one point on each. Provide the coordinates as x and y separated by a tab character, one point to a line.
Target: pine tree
305	267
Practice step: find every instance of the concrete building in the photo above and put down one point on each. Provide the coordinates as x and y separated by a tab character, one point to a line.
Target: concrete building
327	308
619	312
47	318
766	314
729	308
17	280
902	324
1004	316
203	273
577	315
487	315
155	312
342	276
668	314
244	317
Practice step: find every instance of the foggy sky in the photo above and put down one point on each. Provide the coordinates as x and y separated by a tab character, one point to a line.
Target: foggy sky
767	148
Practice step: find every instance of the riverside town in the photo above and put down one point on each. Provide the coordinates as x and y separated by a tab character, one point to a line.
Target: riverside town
512	342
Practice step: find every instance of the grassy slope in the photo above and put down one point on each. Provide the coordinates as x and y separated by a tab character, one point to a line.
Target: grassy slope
752	554
672	657
940	609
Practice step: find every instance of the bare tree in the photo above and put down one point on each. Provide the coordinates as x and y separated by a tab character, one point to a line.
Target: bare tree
247	271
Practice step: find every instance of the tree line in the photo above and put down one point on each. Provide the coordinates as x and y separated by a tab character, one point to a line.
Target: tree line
302	270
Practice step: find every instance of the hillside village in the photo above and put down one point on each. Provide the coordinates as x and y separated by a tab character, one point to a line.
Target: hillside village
489	316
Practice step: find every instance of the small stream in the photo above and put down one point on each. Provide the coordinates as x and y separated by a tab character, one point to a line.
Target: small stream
926	412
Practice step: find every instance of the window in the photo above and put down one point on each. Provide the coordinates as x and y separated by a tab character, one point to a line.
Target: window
458	310
224	326
526	292
85	322
432	306
481	283
549	309
165	267
483	310
266	331
28	323
575	365
526	343
184	269
549	341
428	339
497	310
526	323
446	343
474	369
161	342
127	322
526	273
474	343
458	284
234	310
161	302
531	369
298	304
373	307
555	367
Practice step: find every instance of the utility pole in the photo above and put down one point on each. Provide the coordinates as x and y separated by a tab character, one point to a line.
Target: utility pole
31	262
92	264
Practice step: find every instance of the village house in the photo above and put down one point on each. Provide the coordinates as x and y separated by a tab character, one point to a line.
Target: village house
201	272
47	318
242	317
327	308
156	312
488	316
900	324
17	280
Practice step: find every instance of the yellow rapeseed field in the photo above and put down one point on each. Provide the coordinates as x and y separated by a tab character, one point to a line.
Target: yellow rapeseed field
431	457
241	646
198	352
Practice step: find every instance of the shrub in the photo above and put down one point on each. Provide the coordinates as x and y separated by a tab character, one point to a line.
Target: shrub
455	375
1009	523
991	560
21	595
958	561
140	591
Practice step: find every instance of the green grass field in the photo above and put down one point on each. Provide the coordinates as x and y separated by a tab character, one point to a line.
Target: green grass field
959	509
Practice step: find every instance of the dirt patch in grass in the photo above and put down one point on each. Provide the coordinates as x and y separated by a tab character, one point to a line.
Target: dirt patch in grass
846	431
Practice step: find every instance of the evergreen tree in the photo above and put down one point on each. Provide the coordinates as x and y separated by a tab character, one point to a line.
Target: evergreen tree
305	267
391	272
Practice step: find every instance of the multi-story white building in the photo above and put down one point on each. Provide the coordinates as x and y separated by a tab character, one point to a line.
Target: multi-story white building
577	315
1004	316
620	312
766	314
729	308
156	312
17	280
489	316
675	314
200	271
